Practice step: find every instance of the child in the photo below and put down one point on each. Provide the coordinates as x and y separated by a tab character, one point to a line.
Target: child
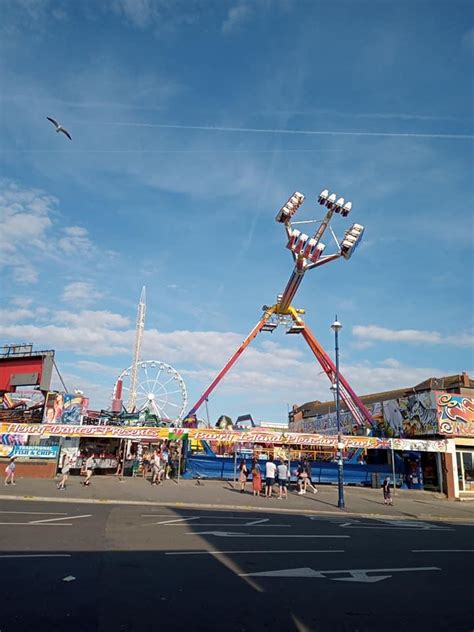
387	492
10	472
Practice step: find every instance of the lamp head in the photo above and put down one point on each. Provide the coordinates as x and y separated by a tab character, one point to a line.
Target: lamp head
336	326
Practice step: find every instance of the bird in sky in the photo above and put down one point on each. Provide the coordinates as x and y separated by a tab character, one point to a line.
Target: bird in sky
59	128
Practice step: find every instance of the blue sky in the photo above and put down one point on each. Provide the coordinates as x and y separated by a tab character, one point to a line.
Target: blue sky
192	123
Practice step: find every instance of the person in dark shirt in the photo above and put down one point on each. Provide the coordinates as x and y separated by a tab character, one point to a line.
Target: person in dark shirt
387	492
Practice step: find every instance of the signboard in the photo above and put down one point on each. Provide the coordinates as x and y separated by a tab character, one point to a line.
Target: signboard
64	408
230	436
455	414
35	451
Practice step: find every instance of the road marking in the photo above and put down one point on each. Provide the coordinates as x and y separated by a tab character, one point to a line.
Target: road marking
272	551
355	574
413	526
41	513
177	520
69	578
255	522
229	534
442	550
37	555
221	524
39	524
49	520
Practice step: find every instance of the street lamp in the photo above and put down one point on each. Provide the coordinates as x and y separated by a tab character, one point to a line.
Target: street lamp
336	327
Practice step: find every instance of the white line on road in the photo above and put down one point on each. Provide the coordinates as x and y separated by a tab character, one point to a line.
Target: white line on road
49	520
221	524
272	551
37	524
442	550
255	522
177	520
41	513
227	534
37	555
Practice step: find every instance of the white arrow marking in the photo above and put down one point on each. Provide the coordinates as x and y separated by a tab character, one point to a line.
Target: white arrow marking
229	534
57	519
69	578
360	576
356	574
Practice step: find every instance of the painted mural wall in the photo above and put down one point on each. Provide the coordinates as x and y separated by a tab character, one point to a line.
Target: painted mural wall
417	415
455	414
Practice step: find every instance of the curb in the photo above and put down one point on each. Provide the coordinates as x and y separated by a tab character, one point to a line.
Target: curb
246	508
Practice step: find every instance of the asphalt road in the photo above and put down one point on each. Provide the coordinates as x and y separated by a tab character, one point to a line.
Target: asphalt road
71	567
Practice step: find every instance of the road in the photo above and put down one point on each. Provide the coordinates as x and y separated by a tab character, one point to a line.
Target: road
71	567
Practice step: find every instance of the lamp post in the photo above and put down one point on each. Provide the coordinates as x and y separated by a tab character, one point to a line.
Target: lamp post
336	327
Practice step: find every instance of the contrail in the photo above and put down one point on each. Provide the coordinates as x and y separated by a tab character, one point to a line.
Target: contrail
304	132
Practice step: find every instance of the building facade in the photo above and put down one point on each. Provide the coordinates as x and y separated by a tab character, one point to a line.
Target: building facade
440	408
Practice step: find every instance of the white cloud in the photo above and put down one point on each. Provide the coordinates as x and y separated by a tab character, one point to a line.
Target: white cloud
75	241
414	336
21	301
25	222
94	319
80	292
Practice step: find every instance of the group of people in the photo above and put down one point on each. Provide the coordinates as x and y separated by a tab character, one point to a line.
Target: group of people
163	462
275	474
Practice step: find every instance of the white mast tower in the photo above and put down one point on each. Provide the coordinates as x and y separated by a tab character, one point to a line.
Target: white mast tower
141	311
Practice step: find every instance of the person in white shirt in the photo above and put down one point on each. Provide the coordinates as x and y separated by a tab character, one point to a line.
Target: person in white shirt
270	472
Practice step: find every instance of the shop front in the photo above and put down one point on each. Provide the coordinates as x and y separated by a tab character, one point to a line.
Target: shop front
465	466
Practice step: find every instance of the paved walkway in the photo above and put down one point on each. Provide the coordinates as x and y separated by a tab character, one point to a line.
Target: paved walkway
226	495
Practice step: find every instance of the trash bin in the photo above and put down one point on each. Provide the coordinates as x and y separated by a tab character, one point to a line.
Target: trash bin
375	479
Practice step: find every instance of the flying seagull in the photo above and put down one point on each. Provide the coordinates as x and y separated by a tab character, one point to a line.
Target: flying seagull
59	128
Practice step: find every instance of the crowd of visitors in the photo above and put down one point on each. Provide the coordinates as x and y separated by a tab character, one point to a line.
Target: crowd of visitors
277	474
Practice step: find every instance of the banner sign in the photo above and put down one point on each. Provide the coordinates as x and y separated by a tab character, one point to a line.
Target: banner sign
455	414
229	436
35	451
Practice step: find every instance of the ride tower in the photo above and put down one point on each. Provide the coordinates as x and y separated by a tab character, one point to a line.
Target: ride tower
307	253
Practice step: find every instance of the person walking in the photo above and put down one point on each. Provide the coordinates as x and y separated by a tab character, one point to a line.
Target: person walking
283	473
387	492
301	476
10	472
90	467
243	473
256	478
307	482
65	470
270	472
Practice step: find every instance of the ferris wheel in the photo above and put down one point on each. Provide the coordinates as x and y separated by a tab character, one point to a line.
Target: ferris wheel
160	389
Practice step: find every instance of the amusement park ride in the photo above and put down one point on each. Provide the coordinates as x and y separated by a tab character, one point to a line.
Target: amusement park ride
307	254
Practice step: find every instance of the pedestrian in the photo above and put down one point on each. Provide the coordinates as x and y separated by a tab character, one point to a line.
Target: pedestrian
387	492
157	468
282	470
10	472
301	476
307	482
243	473
165	457
66	468
90	467
270	471
256	478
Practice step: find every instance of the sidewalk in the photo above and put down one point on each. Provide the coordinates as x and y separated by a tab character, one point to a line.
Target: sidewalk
226	495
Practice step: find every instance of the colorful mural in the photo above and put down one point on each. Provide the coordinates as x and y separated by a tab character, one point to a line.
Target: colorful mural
455	414
64	408
412	416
